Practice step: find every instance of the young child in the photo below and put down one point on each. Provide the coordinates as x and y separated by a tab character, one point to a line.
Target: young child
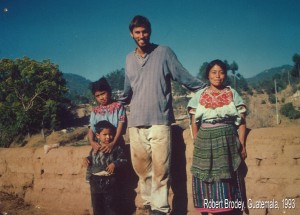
103	169
109	110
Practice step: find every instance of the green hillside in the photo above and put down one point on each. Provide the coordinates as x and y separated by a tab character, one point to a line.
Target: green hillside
268	74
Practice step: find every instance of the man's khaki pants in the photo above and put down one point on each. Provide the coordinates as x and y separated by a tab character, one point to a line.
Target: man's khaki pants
150	154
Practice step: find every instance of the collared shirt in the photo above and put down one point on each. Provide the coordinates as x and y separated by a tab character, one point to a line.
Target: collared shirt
147	86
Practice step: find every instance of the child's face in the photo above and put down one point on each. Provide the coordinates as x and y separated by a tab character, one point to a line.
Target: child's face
102	97
105	136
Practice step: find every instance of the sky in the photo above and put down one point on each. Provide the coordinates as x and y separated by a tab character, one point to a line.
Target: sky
91	38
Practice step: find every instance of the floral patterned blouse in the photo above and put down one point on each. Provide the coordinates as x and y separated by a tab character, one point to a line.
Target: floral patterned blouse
115	112
208	104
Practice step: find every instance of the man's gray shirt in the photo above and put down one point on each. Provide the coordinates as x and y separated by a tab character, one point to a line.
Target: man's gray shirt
147	86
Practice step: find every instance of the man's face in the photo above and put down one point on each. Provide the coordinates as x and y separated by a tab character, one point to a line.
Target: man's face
141	36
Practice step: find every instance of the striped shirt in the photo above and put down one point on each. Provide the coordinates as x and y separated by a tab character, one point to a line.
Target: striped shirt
147	86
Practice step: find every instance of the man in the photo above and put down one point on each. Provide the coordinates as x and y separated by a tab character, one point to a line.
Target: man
147	87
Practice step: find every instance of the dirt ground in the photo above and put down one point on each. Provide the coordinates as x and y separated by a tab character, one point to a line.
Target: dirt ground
13	205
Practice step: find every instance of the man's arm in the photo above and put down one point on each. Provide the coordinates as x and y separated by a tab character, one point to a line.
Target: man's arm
125	98
180	74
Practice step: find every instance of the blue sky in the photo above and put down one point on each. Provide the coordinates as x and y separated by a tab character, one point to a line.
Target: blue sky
91	38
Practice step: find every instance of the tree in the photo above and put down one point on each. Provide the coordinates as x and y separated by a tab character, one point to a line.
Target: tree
296	60
116	79
242	84
31	96
227	65
289	111
234	67
202	71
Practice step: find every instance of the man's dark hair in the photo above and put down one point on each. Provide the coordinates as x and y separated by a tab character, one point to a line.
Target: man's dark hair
140	21
212	64
100	85
103	124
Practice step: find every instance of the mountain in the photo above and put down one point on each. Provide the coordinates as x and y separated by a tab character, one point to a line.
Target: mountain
78	86
268	74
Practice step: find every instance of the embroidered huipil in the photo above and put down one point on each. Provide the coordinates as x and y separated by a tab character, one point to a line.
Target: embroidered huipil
114	113
208	105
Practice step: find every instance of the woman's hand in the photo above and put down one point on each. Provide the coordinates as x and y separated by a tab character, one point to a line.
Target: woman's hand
96	146
194	126
107	148
243	151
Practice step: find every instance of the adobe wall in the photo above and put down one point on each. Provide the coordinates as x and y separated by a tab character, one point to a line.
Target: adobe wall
56	181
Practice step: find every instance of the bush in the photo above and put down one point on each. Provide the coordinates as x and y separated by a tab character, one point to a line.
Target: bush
294	89
249	91
180	104
259	91
289	111
272	98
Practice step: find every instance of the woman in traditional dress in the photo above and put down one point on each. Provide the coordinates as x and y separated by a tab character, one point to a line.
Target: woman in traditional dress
218	127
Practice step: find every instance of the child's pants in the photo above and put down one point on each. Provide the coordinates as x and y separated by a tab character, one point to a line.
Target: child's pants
103	195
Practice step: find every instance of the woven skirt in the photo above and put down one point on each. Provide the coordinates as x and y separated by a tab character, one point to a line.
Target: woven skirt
219	196
216	159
